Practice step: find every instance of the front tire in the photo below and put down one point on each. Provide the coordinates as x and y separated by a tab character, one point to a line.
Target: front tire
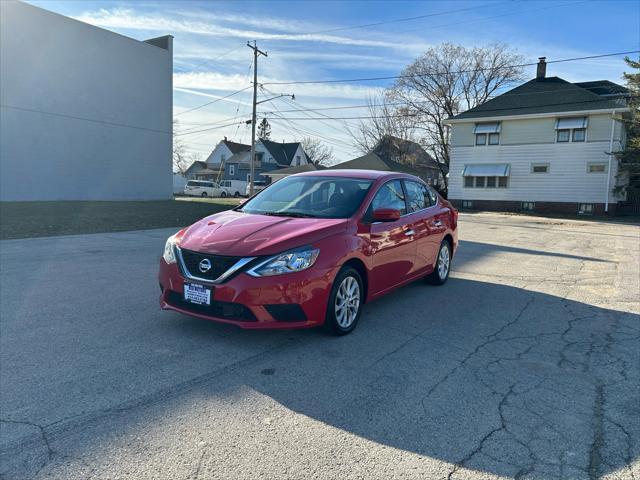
223	194
237	195
204	195
442	267
345	302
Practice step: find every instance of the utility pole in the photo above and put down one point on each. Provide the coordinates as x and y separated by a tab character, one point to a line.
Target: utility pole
256	54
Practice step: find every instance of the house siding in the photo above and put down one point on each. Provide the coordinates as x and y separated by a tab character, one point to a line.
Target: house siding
567	180
533	131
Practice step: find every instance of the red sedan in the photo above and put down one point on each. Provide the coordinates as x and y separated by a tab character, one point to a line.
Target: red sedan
309	250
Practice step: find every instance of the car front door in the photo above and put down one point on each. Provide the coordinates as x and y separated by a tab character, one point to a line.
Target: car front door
391	244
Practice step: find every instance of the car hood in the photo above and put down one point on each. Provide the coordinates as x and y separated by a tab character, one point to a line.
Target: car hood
246	235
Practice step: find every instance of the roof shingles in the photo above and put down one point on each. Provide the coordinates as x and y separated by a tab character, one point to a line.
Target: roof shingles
549	95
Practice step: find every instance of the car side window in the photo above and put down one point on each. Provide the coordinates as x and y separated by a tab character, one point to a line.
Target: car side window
390	195
417	196
433	196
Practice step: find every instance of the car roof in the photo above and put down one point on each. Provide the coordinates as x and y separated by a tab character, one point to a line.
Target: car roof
349	173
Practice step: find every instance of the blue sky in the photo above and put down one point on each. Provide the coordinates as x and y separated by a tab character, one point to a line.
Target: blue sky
211	59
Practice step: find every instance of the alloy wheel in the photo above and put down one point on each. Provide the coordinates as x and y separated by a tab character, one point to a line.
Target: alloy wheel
444	261
347	302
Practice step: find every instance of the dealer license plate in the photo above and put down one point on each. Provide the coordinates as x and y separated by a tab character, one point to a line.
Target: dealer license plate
197	294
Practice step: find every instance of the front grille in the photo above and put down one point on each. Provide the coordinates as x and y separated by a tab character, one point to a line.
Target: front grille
286	312
226	310
219	264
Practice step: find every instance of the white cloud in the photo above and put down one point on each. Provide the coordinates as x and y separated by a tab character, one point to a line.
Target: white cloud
218	81
129	19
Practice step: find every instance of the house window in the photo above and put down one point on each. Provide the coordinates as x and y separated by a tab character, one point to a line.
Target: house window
487	131
572	129
232	170
467	204
596	168
482	182
248	177
297	159
563	136
539	168
585	209
223	157
528	206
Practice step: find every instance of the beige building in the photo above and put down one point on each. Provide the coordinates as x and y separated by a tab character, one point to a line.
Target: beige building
544	146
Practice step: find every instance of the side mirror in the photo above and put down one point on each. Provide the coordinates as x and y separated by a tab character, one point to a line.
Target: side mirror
386	215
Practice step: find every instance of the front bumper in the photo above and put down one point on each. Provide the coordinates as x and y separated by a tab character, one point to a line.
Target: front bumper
248	302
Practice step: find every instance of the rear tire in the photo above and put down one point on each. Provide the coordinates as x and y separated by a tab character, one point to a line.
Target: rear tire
345	302
237	195
223	194
204	195
442	267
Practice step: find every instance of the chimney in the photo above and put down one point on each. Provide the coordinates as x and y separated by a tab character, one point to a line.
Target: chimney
541	72
225	138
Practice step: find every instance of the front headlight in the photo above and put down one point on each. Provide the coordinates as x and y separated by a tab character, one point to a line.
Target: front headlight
288	262
169	253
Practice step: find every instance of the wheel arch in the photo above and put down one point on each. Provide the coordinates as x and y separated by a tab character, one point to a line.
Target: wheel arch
361	268
449	239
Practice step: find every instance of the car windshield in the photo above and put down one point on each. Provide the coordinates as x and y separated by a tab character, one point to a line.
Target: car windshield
310	196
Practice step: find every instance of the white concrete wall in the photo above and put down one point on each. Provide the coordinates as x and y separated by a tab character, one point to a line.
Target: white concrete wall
85	113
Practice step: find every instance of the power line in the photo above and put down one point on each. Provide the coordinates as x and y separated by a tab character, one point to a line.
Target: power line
208	129
393	77
369	117
212	102
405	19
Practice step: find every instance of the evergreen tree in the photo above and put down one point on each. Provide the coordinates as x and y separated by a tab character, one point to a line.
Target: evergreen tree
629	158
264	130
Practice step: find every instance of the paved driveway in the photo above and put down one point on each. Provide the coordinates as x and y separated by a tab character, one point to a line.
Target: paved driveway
525	365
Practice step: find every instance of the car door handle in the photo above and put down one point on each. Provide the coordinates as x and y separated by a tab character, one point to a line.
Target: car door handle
437	223
408	233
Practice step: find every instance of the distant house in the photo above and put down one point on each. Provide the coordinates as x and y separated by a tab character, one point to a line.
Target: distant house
223	151
372	161
406	152
231	160
543	146
194	169
280	173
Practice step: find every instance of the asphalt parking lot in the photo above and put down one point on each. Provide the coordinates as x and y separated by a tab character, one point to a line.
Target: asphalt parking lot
525	365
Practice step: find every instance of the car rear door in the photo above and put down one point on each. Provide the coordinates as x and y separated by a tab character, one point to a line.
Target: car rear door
422	212
392	245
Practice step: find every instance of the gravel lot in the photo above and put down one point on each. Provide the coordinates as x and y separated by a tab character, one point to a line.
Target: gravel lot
525	365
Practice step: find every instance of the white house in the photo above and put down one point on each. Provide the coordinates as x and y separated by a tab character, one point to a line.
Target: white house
544	146
85	113
231	161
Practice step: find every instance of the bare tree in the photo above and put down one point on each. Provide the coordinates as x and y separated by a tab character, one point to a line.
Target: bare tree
181	160
386	118
449	79
318	152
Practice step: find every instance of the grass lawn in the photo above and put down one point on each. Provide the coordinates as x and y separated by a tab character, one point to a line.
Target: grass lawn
44	219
